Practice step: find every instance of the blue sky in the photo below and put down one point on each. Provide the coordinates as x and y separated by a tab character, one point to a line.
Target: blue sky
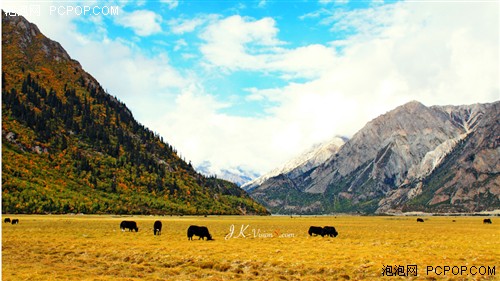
252	84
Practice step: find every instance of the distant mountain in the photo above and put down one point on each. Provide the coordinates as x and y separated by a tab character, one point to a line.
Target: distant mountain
413	158
314	157
68	146
237	175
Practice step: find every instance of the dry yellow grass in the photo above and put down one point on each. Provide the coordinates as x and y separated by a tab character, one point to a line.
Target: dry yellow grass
94	248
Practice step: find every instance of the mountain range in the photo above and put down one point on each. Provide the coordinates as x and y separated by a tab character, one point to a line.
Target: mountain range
70	147
413	158
238	175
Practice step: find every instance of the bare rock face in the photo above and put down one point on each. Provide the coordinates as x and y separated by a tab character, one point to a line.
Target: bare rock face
29	36
440	158
31	48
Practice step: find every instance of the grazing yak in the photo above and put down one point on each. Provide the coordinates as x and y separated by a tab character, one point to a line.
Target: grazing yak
420	220
330	231
6	220
131	225
157	228
327	230
487	221
201	231
316	230
15	221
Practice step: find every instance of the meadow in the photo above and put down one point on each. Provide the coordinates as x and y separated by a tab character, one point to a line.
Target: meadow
86	247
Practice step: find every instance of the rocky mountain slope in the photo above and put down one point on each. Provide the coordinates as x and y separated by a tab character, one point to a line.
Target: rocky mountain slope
314	157
440	159
68	146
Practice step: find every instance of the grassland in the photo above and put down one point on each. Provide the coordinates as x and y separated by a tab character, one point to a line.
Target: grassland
68	247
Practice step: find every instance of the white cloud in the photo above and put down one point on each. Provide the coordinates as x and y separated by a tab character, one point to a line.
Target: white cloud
172	4
196	124
143	22
145	84
324	2
262	4
230	40
182	25
237	43
315	14
308	61
437	53
179	44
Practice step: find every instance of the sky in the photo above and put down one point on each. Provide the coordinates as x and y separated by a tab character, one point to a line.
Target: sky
252	84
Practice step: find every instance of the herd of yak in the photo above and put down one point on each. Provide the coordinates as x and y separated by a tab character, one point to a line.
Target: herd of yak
202	231
13	221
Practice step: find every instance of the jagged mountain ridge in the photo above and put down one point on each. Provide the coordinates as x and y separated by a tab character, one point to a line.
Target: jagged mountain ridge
467	178
312	158
397	149
69	146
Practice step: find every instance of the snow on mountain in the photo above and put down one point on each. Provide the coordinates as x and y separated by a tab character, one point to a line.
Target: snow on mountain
238	175
312	158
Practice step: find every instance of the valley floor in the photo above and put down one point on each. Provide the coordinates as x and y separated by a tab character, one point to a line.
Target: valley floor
85	247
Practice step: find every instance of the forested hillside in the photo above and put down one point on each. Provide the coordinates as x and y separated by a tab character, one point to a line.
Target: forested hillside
69	146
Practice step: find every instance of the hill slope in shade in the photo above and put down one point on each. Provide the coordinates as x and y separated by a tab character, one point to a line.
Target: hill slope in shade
68	146
413	158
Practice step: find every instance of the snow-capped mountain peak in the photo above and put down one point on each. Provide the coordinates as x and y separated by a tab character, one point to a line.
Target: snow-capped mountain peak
237	175
312	158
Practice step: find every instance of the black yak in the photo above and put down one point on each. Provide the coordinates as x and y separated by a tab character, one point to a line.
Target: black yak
157	228
201	231
316	230
131	225
330	231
